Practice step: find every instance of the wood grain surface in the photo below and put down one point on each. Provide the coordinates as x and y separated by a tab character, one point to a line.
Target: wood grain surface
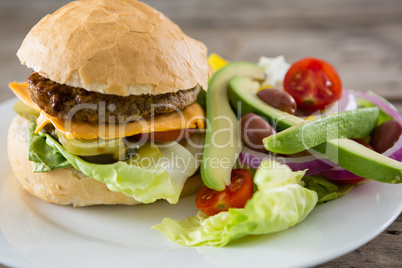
361	38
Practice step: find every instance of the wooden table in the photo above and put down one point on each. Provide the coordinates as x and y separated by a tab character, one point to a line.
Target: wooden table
361	38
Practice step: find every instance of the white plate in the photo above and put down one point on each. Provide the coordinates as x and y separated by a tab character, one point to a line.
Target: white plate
34	233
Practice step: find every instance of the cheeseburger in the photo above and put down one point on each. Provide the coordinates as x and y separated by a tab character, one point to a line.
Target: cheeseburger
109	114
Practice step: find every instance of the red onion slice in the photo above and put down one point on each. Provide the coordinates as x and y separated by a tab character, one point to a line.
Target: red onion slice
380	102
314	164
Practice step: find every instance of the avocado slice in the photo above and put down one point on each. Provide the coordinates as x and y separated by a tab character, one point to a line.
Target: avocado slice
350	124
222	139
349	154
361	160
243	90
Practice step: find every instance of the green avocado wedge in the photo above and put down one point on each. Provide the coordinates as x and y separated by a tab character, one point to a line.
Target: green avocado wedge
243	97
361	160
222	139
349	154
349	124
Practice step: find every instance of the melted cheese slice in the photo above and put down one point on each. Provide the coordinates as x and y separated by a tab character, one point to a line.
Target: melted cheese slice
190	117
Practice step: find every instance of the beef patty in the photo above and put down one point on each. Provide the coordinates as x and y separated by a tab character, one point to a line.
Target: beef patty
68	102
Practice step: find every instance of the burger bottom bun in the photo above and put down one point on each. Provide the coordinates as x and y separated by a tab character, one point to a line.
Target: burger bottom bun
66	186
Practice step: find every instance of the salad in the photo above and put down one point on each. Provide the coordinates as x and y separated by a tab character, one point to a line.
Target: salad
296	138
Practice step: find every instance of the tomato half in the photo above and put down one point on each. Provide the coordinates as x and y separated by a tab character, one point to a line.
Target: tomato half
165	136
235	195
313	83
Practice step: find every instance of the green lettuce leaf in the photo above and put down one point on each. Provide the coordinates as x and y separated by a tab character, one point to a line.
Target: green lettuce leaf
163	179
43	157
279	203
325	189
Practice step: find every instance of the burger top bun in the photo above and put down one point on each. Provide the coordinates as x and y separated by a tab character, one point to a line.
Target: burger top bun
65	186
120	47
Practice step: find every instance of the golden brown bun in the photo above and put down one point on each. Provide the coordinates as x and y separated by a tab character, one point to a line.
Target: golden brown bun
65	186
121	47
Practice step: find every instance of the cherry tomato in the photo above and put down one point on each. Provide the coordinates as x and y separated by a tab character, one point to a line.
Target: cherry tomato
313	83
235	195
165	136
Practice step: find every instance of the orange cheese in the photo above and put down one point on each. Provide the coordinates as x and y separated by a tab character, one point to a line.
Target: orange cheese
190	117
